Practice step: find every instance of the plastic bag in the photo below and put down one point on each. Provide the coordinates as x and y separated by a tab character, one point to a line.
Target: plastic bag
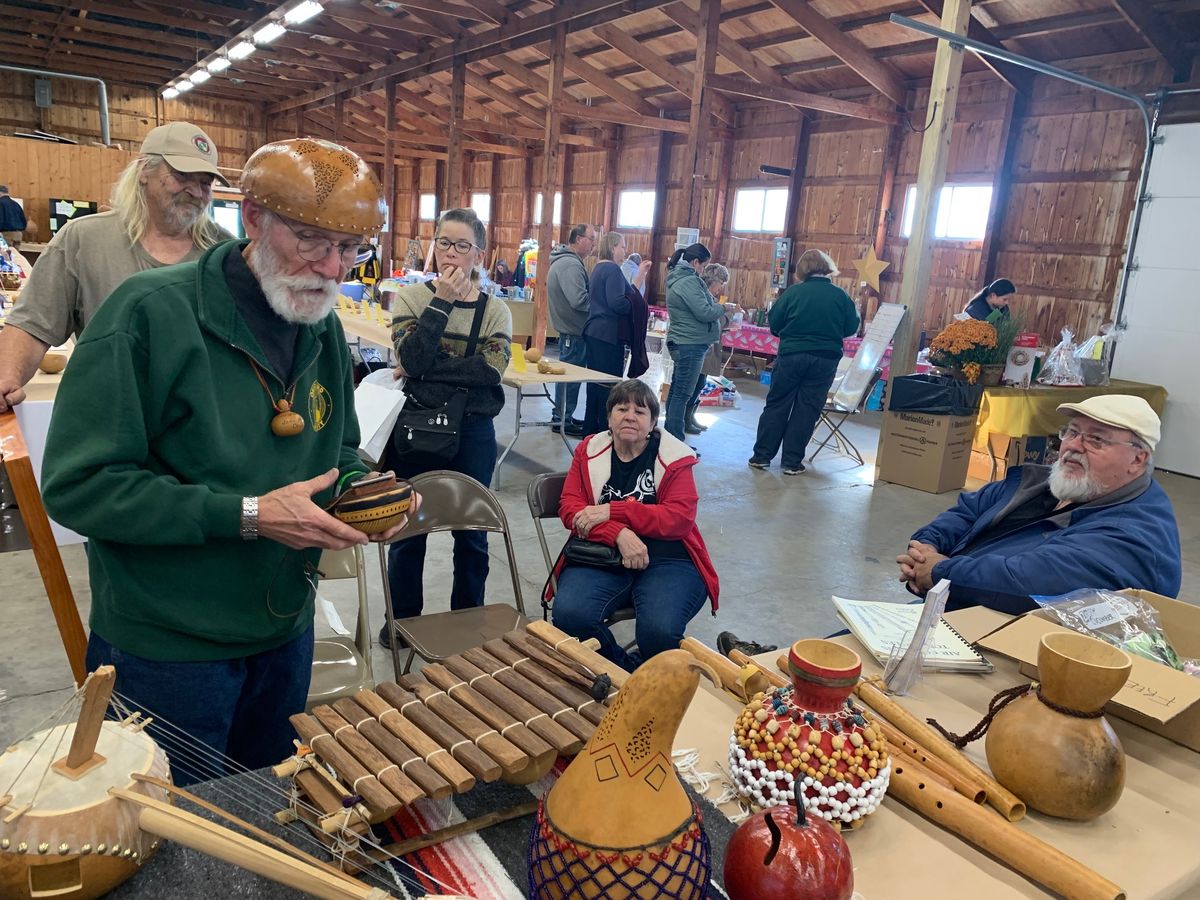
1062	366
1125	622
1095	355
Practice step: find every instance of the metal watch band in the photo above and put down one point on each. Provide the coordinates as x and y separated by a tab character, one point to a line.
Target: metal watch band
249	518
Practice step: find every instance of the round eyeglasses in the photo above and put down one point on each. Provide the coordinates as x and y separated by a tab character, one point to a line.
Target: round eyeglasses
445	244
316	249
1093	442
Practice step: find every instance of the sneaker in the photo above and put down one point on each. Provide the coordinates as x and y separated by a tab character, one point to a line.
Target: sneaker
794	470
727	641
385	639
758	463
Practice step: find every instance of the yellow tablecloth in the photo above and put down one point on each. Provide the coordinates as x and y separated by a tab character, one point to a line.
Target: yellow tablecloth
1020	412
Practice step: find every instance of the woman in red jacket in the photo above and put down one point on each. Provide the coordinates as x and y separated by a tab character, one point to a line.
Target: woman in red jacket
631	488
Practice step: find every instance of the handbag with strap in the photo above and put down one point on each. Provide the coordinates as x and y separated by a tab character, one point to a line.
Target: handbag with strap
581	552
430	435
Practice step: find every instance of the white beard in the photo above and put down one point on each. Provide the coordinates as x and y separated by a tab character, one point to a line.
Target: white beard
182	214
303	299
1080	488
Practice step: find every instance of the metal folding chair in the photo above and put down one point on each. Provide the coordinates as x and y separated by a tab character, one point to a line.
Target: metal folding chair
341	666
451	501
843	444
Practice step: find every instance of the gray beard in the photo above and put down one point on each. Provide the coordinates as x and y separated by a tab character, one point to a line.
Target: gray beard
1079	489
179	217
301	299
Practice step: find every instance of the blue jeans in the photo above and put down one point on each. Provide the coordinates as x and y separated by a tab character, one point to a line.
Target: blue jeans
406	559
799	385
603	356
237	707
685	383
665	596
571	349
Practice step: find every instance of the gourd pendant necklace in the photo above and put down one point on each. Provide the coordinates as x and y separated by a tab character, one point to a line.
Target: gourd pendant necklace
285	422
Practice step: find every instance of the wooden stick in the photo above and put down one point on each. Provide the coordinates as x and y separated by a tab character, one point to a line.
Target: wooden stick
562	714
379	800
326	793
572	649
412	765
735	678
553	661
388	773
470	826
998	796
569	694
82	757
914	786
513	760
537	721
423	745
461	748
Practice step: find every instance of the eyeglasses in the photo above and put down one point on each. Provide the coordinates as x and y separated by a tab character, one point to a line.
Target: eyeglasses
1093	442
316	249
444	244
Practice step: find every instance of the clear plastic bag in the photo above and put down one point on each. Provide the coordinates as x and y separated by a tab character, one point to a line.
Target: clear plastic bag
1095	355
1062	366
1125	622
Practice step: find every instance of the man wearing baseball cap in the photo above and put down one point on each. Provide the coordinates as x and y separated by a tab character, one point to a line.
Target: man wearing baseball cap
159	217
1095	519
205	420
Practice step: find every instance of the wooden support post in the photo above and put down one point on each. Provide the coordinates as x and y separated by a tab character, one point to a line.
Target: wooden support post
82	757
566	217
527	206
492	205
612	155
339	112
387	240
414	201
551	160
661	173
300	126
1010	134
439	185
707	27
887	187
931	174
724	168
791	218
454	150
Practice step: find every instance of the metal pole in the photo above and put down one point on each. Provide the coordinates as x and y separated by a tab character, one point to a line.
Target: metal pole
104	135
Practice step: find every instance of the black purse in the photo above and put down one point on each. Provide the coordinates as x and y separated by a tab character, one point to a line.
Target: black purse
581	552
429	436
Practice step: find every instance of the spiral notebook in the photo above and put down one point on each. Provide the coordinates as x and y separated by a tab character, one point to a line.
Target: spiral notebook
886	628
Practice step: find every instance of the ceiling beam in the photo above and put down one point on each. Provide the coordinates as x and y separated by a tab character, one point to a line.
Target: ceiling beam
803	99
477	82
605	83
612	113
1018	78
1158	34
449	8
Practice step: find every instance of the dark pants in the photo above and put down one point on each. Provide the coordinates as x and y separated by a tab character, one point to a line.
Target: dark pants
665	596
799	385
233	707
603	357
571	349
686	383
406	559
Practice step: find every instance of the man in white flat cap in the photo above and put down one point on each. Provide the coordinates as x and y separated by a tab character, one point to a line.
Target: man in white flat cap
1095	519
159	217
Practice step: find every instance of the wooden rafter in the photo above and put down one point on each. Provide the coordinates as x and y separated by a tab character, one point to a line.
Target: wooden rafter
449	8
1155	32
609	86
1018	78
803	99
507	98
612	113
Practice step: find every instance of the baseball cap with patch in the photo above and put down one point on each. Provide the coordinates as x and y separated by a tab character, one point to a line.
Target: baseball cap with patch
1120	411
185	148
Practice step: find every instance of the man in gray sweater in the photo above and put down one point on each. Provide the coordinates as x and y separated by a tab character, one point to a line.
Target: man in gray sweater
567	294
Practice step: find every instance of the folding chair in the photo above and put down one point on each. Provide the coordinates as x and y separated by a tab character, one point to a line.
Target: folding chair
341	666
543	495
843	444
451	501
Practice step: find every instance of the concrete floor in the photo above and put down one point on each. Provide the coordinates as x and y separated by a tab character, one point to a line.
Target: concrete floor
782	546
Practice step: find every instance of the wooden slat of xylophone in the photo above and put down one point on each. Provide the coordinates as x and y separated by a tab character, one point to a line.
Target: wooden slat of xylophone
545	701
379	800
388	773
461	748
567	693
427	748
412	765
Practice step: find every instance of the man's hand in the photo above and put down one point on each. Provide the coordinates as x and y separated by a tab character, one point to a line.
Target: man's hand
12	392
20	354
385	536
453	284
634	554
916	566
589	517
289	516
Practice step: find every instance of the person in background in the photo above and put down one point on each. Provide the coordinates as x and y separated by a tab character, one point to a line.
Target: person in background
502	276
810	319
12	218
696	319
631	487
617	318
567	296
159	217
1095	519
716	279
630	267
991	298
205	515
431	327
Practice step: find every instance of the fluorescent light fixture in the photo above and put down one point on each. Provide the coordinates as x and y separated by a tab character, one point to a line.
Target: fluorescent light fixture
220	64
302	12
170	93
269	32
184	85
200	76
241	50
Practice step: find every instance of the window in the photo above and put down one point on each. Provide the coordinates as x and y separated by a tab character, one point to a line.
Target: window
962	212
760	209
482	204
428	207
537	209
635	209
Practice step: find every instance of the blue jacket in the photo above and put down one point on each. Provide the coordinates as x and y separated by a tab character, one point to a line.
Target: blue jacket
608	304
1126	539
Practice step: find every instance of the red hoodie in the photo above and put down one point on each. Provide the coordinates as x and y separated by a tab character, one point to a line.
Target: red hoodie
672	517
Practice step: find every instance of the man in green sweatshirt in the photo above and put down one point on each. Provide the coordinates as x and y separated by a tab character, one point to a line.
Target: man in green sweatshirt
206	418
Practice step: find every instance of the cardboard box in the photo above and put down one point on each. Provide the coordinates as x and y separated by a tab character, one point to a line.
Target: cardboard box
1003	452
926	452
1156	697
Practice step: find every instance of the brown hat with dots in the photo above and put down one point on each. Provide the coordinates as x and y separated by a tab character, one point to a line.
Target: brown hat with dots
318	183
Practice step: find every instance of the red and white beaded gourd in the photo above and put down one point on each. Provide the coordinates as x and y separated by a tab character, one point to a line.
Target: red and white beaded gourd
812	734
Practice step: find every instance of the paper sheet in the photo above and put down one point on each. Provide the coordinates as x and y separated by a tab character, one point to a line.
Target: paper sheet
34	418
378	400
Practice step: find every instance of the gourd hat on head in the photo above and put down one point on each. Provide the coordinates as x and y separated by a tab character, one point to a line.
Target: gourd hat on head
317	183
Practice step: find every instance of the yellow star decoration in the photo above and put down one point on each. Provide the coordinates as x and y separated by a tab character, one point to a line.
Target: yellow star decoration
870	267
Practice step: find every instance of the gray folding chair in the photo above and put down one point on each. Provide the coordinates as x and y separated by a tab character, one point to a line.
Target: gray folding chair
843	444
341	666
451	501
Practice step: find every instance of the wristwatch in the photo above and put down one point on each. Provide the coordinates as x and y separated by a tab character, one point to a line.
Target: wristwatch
249	518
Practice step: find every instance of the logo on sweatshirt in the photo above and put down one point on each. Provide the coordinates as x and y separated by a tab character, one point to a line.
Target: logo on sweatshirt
320	406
